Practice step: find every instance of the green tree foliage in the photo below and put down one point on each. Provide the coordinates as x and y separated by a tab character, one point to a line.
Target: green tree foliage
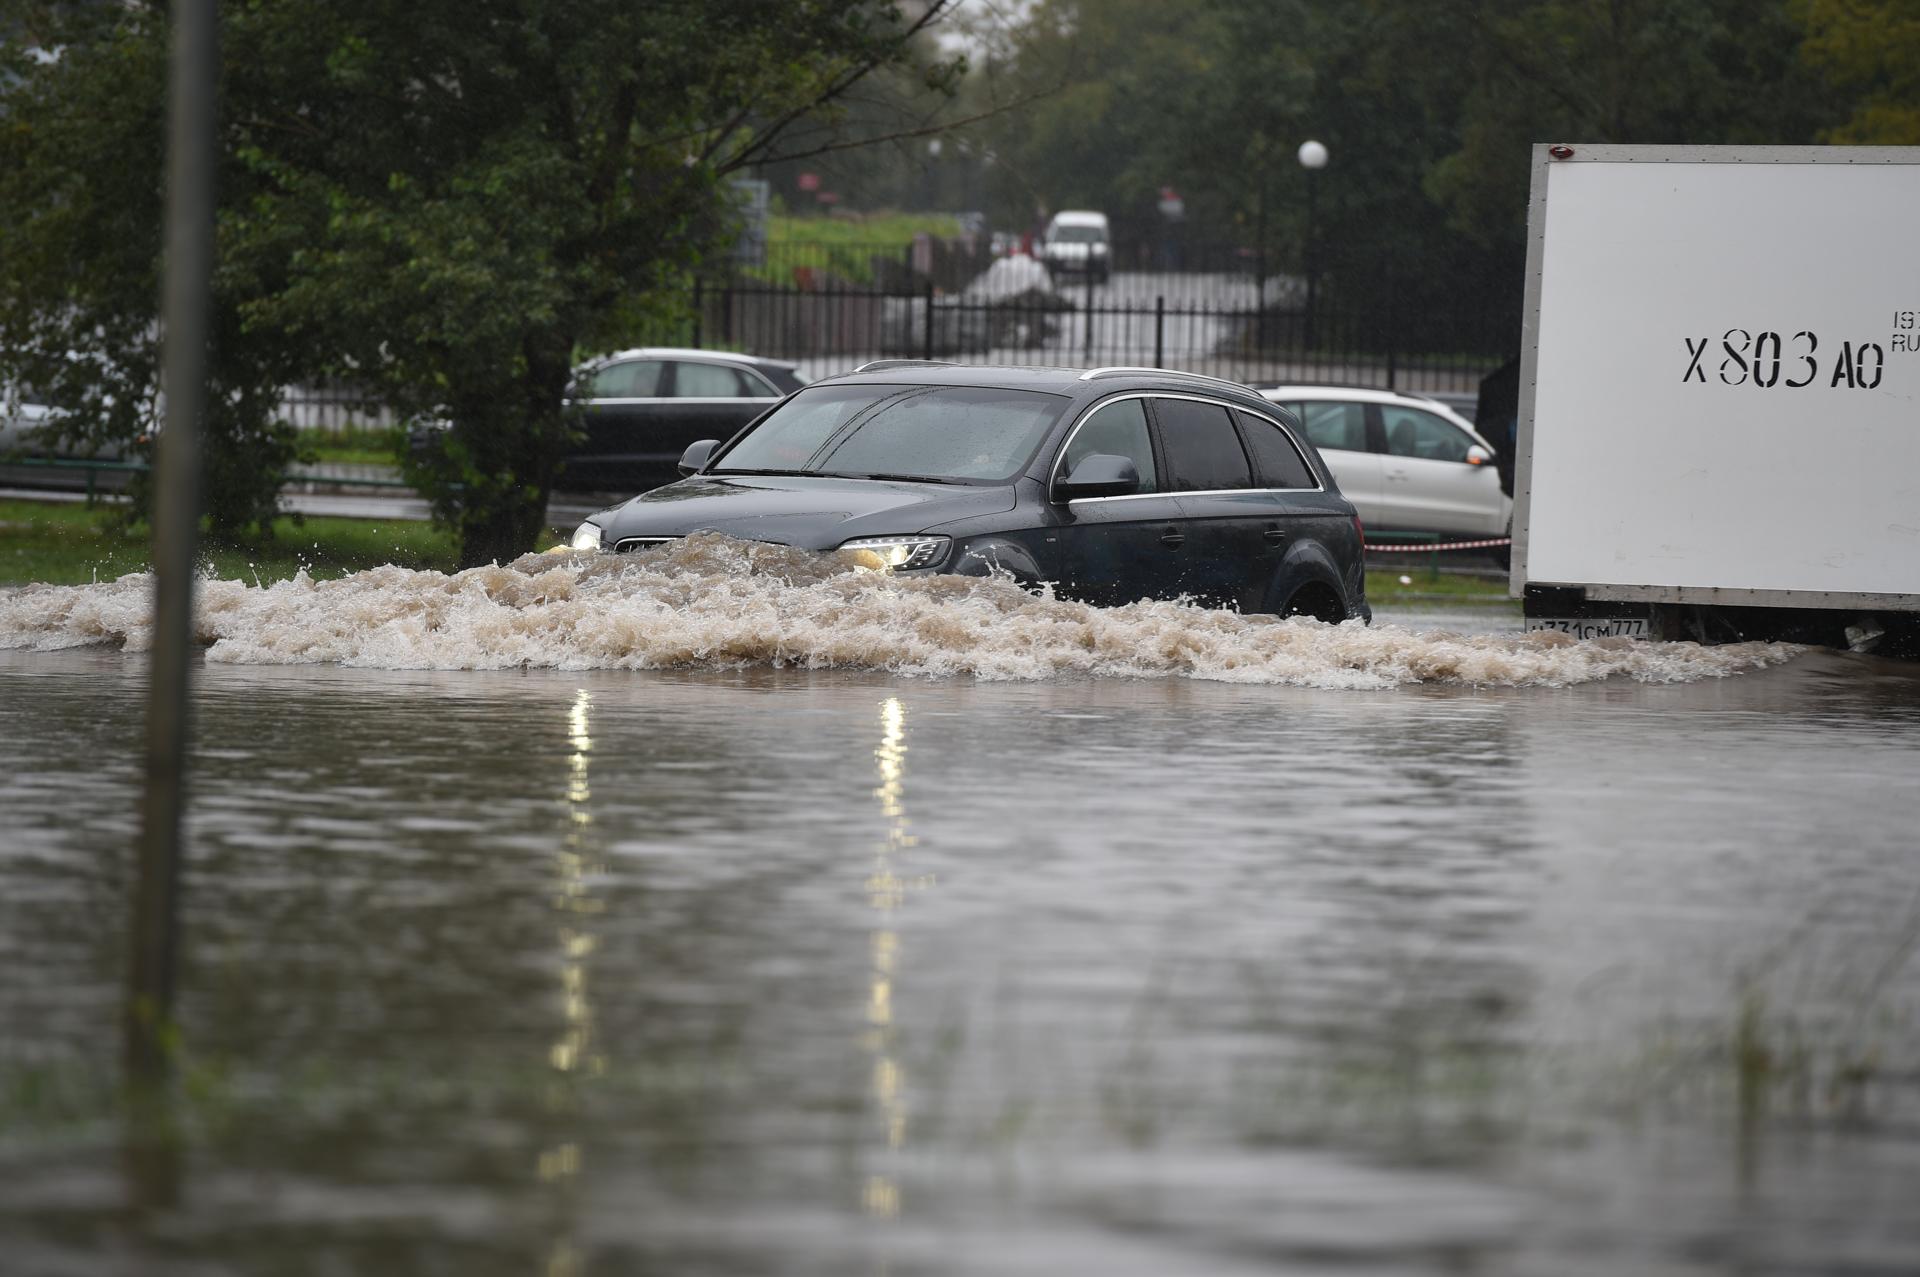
443	200
1429	109
1871	50
1128	96
1648	71
82	98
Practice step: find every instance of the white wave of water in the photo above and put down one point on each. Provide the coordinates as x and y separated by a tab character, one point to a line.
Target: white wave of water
709	601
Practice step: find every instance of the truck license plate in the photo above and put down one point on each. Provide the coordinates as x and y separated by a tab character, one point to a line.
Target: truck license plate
1592	627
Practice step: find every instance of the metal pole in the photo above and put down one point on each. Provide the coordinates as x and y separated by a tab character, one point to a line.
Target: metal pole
1160	331
188	269
698	302
1313	255
929	334
1260	278
1393	334
1089	334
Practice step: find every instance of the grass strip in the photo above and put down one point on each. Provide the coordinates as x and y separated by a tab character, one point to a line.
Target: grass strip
68	543
1419	586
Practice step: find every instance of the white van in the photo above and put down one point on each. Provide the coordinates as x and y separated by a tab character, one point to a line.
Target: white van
1077	243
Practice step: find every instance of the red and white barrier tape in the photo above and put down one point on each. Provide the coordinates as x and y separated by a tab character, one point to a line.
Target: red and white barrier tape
1416	547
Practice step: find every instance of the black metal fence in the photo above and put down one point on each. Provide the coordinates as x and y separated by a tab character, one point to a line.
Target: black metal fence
829	308
333	408
1242	329
951	262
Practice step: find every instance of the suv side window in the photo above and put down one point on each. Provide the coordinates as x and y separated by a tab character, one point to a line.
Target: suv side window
1278	461
1334	425
1413	433
1203	449
634	379
709	381
1119	429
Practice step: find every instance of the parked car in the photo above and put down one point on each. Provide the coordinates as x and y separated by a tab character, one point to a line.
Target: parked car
1077	242
1114	484
641	408
24	416
33	455
1409	464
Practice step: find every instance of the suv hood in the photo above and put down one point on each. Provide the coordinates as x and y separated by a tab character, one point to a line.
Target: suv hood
812	512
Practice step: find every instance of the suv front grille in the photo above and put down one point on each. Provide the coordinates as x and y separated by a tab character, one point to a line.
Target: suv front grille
625	544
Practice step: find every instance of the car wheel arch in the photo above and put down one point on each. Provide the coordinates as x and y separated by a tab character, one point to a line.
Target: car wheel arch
982	556
1306	573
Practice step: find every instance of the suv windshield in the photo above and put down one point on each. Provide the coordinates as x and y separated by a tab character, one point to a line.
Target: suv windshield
1078	235
968	434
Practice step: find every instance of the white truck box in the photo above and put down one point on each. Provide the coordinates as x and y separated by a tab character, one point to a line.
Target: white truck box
1718	390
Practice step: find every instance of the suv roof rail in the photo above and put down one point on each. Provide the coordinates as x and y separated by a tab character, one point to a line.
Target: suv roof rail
687	352
1093	374
875	365
1349	385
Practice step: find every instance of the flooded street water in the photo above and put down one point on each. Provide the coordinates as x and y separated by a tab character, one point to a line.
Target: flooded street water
588	923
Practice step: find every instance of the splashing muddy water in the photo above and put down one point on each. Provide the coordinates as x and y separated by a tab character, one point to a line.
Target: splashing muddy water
710	601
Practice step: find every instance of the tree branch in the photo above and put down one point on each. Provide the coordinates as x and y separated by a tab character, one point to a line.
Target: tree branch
902	135
767	136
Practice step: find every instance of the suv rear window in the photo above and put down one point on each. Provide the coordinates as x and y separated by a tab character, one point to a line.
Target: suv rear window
1203	449
1279	462
712	381
634	379
1412	433
1334	425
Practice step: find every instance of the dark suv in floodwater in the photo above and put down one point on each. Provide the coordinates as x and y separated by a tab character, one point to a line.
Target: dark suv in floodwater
1114	484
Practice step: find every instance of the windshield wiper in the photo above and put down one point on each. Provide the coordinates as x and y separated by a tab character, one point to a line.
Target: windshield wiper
845	474
898	478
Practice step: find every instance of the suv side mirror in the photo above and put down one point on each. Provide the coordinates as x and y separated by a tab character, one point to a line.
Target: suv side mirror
1099	474
1478	456
697	454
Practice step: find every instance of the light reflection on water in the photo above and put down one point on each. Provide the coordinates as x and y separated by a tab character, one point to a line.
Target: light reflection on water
885	893
577	865
788	972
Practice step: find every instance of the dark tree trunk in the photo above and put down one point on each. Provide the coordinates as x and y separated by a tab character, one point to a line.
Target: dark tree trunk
522	437
502	530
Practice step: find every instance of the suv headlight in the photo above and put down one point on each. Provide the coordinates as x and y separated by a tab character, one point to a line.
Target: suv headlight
587	537
898	554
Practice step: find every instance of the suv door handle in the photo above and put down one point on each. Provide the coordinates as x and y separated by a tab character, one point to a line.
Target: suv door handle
1173	538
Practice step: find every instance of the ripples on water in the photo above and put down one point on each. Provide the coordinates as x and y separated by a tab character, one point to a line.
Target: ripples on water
710	601
555	968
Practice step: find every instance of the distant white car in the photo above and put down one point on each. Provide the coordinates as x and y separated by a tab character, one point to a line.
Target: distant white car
30	456
1078	242
1408	463
22	415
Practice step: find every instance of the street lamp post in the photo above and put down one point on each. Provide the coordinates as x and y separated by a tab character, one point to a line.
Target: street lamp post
1313	158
